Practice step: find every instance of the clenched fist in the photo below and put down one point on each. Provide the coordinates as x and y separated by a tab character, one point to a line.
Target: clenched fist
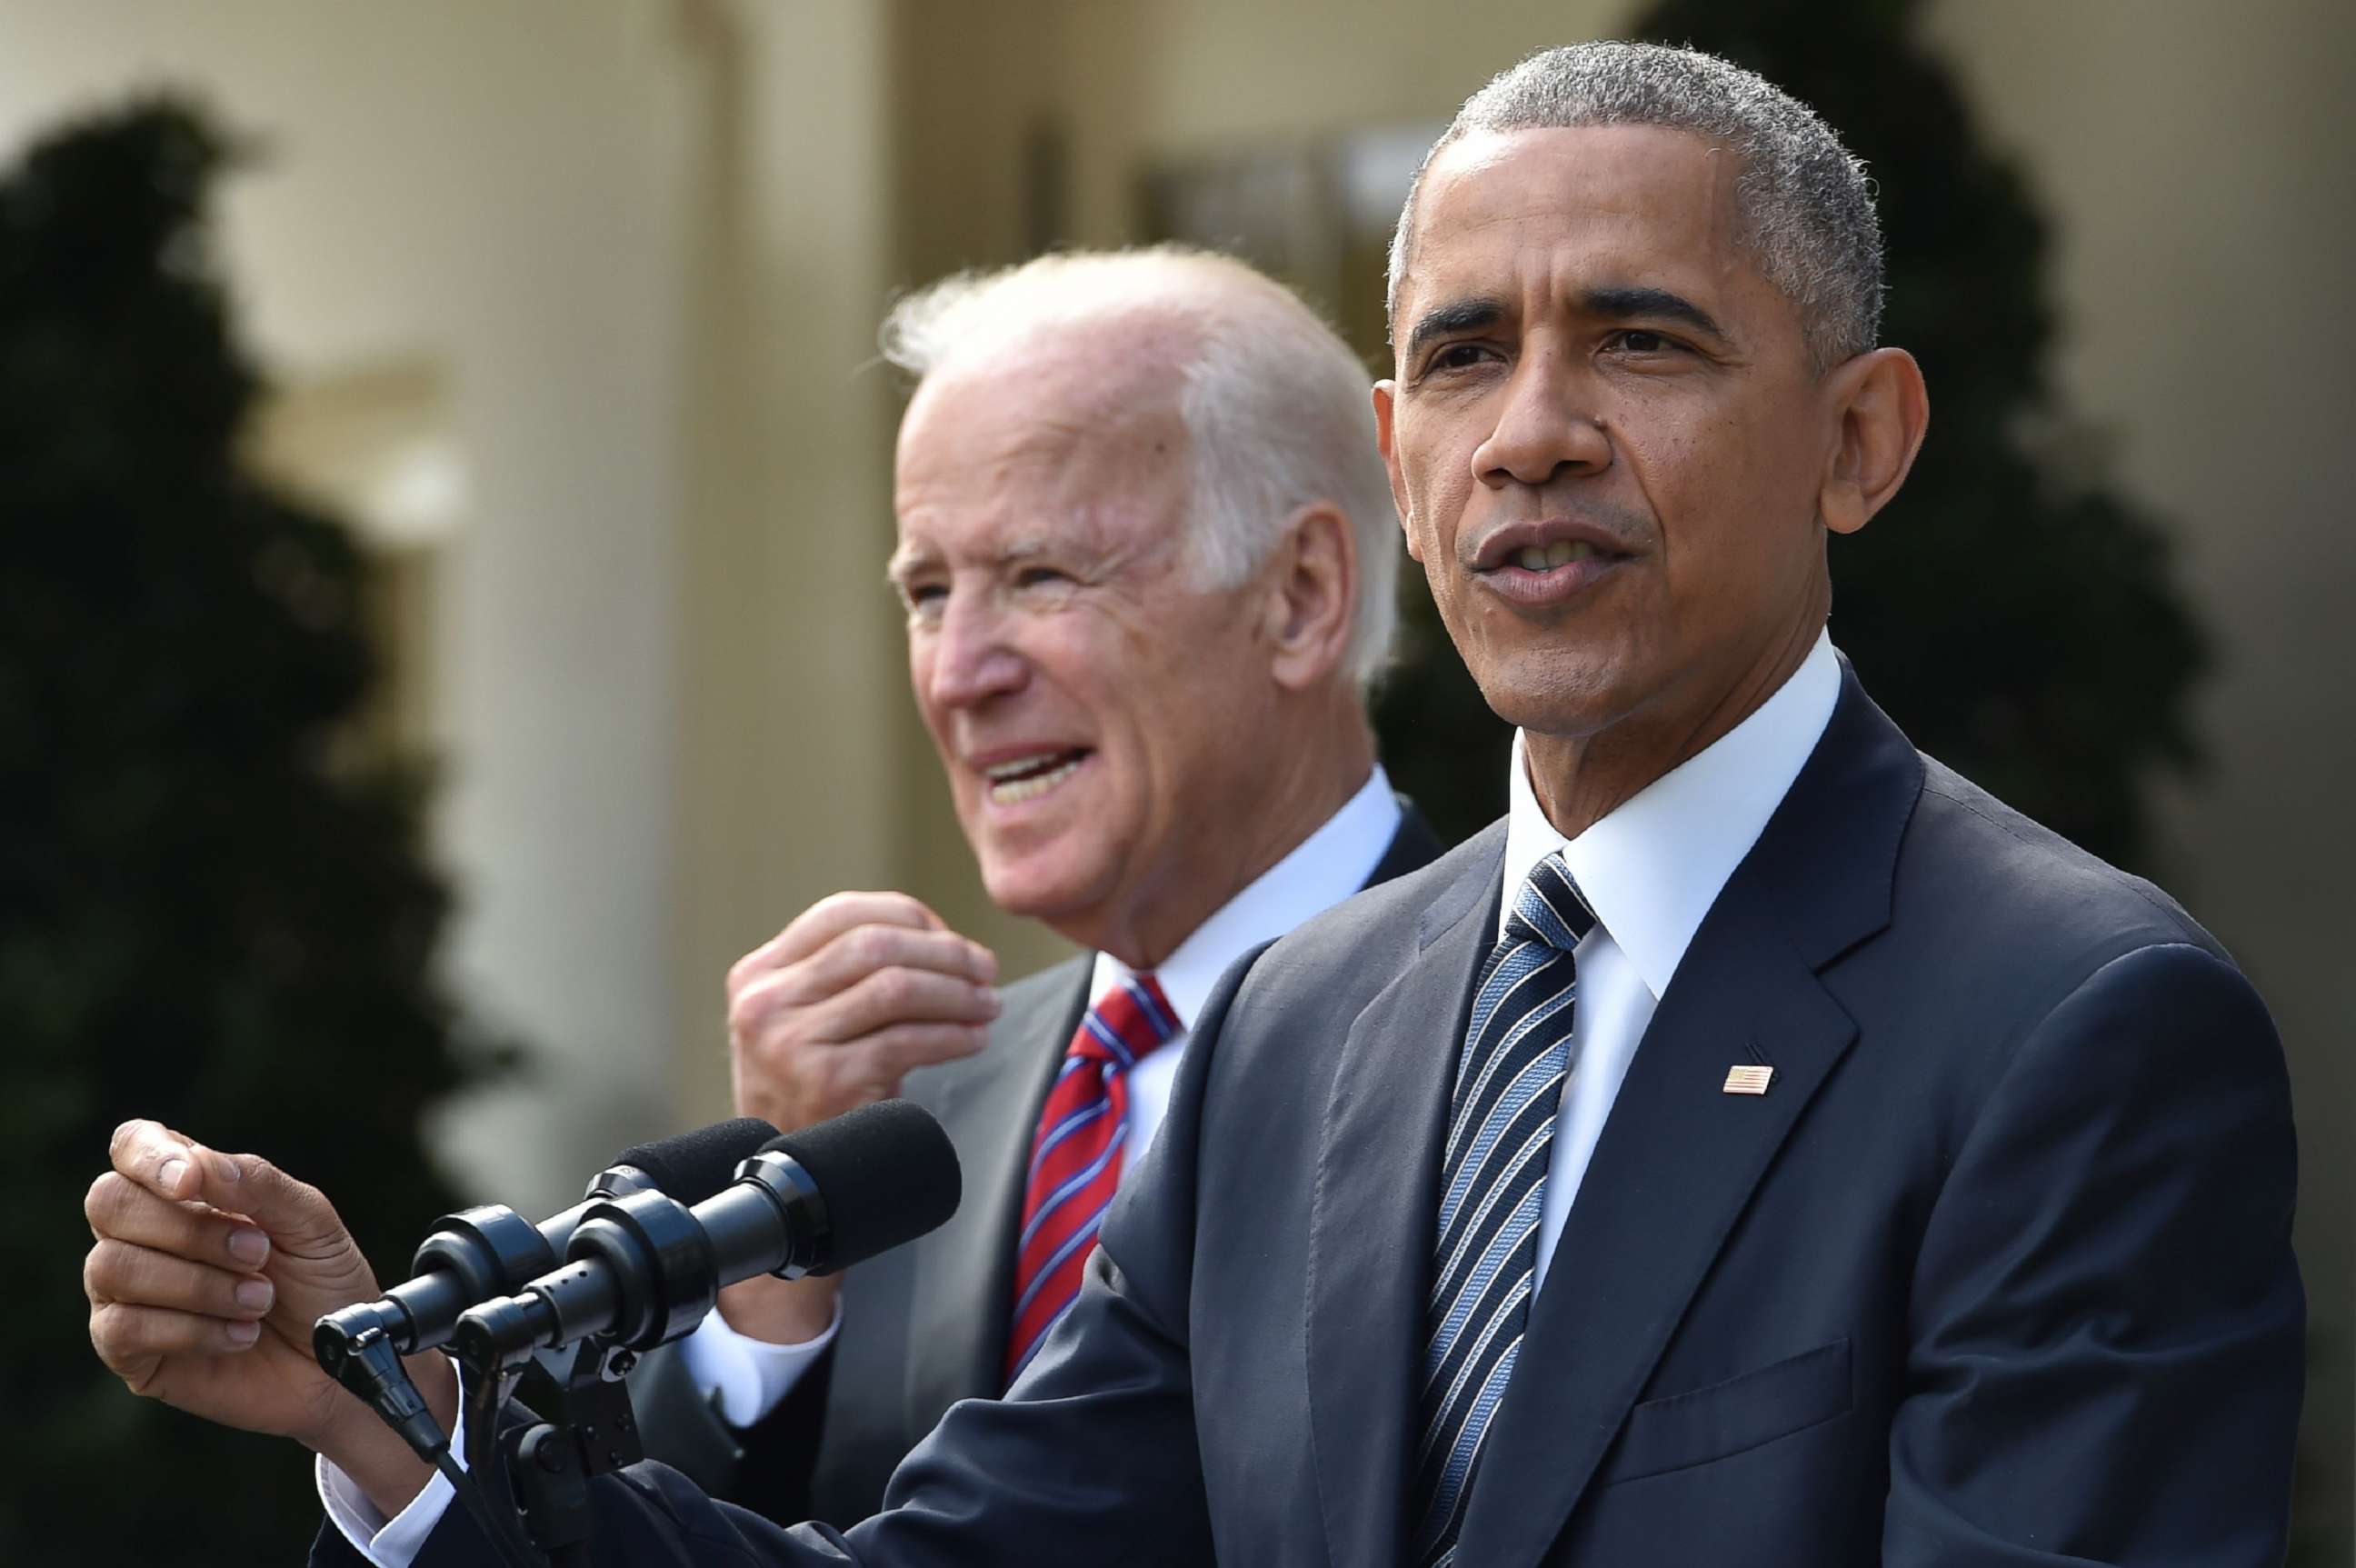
832	1011
828	1016
207	1272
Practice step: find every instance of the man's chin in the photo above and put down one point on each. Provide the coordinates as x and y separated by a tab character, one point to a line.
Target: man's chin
1559	693
1053	894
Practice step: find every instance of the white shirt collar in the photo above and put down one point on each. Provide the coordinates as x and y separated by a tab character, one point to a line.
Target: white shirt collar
1653	867
1321	871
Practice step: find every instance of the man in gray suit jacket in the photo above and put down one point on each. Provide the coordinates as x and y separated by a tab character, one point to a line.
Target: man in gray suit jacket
1762	1147
1133	762
926	1324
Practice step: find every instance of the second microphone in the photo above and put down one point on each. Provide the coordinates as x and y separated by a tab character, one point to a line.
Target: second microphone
644	1268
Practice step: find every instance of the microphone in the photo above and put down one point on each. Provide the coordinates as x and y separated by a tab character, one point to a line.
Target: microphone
645	1268
483	1253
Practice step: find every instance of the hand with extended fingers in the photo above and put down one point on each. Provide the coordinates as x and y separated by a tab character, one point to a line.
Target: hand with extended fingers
207	1272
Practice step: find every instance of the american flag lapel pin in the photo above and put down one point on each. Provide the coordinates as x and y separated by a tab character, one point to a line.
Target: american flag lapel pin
1748	1078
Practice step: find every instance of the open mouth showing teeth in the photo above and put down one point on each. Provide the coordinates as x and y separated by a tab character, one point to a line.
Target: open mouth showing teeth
1546	557
1027	777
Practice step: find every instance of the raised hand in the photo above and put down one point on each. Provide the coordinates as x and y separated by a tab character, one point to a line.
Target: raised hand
208	1271
831	1014
860	989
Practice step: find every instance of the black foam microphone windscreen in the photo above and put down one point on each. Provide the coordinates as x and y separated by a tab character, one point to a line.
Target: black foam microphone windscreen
886	1173
692	1167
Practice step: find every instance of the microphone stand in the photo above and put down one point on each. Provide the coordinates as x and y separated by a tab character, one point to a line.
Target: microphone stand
547	1464
551	1462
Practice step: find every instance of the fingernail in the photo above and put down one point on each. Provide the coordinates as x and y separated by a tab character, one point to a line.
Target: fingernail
254	1295
990	997
249	1247
228	1169
170	1174
241	1333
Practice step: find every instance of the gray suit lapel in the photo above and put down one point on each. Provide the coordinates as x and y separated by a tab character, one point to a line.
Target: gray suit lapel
956	1345
1377	1167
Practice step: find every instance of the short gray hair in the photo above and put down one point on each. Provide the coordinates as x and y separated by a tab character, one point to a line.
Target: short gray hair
1277	408
1805	207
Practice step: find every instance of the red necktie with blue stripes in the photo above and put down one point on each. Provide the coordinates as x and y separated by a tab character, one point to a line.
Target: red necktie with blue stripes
1075	1158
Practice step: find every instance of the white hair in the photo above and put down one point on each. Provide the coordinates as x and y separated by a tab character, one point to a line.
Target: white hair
1805	207
1276	407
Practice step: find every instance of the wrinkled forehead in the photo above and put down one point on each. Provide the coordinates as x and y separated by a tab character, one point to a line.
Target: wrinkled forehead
1074	431
1052	379
1125	358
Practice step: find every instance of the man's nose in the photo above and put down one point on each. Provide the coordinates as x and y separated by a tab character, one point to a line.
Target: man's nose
1550	425
974	658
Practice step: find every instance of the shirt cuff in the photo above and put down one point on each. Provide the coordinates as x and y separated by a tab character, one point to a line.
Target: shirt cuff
392	1544
748	1377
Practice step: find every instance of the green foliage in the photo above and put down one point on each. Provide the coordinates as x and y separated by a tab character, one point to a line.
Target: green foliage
2018	621
209	914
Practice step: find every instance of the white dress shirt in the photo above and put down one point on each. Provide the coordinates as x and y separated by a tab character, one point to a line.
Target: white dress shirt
750	1376
1650	870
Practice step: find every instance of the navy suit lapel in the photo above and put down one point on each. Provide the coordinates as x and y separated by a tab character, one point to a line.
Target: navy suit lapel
1674	1167
1678	1157
1377	1167
1413	845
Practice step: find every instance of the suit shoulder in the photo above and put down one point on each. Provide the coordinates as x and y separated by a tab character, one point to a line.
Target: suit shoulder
2023	895
1362	942
1053	986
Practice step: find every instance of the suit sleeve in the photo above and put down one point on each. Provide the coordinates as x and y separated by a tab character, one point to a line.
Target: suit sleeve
2106	1319
1091	1460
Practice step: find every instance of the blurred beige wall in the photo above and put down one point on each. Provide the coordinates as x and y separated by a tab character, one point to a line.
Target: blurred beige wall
2197	162
490	196
794	758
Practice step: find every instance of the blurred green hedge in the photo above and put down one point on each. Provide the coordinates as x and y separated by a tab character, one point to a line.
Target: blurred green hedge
212	908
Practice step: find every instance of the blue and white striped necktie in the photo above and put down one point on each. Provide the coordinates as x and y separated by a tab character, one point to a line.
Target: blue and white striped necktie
1500	1133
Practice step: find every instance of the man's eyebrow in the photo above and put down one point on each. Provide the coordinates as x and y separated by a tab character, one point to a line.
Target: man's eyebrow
1657	304
1457	315
906	562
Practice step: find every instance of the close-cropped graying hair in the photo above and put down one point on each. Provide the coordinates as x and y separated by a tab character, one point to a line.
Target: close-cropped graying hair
1276	407
1805	208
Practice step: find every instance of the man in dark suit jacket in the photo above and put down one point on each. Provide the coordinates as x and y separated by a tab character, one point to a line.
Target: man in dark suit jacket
1853	1172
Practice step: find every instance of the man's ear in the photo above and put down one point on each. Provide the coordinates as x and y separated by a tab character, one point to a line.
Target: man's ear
1881	408
1312	587
1385	403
